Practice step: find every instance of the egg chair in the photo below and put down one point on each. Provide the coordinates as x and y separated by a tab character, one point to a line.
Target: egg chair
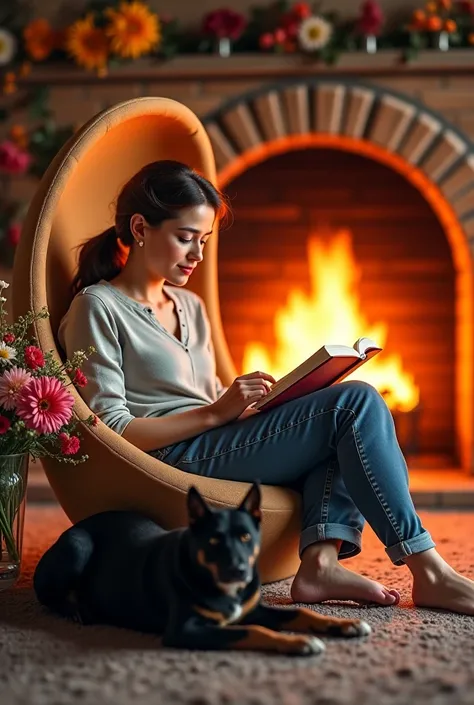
74	201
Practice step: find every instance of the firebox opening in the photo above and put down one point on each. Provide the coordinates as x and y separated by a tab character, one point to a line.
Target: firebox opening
381	265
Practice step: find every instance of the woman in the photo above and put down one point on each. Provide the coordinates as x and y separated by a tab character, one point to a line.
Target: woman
153	380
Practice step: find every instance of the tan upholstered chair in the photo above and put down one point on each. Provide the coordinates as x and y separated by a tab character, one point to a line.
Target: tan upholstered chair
74	201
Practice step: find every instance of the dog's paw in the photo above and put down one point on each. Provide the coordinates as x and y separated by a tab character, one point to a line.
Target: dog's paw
302	646
356	627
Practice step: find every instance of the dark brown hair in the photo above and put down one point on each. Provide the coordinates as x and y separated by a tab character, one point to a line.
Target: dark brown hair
157	192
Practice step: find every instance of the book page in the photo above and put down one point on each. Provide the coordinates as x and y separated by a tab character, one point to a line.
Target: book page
363	345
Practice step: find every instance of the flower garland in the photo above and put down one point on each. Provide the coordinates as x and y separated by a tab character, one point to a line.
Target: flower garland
110	32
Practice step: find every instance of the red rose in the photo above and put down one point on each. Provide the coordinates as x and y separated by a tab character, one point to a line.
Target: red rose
95	421
4	425
9	338
371	18
69	444
34	358
224	24
80	379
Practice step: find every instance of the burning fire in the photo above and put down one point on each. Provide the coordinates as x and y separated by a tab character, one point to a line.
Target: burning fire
331	315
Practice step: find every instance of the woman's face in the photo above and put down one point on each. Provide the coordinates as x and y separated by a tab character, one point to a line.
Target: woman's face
173	249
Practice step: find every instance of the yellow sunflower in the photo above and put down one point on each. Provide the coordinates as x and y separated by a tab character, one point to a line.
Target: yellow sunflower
133	29
88	44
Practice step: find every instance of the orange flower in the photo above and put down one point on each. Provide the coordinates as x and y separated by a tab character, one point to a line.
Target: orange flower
431	8
418	20
40	39
445	5
9	83
450	26
434	24
19	136
470	38
134	29
88	44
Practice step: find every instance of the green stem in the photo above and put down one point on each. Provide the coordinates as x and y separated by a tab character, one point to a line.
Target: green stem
7	530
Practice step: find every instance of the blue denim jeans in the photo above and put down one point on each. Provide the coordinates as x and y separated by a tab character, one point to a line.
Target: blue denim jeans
338	448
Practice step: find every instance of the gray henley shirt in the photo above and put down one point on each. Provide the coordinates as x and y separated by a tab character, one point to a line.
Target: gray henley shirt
140	369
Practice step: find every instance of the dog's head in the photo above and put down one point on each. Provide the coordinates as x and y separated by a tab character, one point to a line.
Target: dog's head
225	543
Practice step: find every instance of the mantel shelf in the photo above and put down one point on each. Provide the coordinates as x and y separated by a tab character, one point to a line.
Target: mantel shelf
264	66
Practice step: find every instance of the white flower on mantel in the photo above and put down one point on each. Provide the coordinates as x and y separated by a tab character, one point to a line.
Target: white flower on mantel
314	33
7	47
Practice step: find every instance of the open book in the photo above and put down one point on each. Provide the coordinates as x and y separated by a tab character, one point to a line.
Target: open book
328	365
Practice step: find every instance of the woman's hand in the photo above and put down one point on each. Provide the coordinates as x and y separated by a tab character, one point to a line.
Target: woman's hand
244	390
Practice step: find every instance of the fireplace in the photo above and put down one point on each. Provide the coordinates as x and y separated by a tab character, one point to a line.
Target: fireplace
367	256
379	193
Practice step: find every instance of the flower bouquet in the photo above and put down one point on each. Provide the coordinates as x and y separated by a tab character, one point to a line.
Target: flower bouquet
36	420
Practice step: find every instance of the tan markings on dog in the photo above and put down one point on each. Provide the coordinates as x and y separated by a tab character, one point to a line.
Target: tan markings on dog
218	617
212	567
251	603
309	621
254	555
263	639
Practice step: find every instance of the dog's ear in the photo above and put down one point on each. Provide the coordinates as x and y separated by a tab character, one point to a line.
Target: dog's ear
251	502
197	507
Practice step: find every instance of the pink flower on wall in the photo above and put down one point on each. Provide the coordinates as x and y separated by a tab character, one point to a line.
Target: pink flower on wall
13	160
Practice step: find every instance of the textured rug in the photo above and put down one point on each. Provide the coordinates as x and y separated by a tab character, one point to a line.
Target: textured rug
413	655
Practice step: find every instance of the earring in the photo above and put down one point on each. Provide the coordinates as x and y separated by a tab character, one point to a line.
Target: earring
141	243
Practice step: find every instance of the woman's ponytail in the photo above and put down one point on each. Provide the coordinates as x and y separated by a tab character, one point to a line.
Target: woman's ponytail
99	258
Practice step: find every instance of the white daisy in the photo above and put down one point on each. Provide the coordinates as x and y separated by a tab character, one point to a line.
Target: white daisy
7	47
314	33
7	353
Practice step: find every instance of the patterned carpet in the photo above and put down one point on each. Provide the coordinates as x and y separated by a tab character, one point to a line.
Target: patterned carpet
413	656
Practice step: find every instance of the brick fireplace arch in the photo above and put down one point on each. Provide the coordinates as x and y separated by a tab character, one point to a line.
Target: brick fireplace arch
389	129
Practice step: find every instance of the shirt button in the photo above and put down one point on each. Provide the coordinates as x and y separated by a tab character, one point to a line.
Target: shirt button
183	325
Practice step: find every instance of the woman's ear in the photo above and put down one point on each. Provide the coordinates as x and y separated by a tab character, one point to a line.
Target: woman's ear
137	226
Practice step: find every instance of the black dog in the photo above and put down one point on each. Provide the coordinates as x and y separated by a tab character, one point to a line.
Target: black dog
197	587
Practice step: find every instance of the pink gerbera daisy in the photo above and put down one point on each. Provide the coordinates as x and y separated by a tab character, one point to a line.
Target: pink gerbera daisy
11	383
45	405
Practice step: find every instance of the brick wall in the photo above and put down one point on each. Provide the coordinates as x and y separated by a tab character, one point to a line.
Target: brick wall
451	95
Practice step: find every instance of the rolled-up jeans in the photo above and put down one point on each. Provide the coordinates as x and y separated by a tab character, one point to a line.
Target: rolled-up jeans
338	448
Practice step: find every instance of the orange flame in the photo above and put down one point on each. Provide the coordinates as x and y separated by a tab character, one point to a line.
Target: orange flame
331	315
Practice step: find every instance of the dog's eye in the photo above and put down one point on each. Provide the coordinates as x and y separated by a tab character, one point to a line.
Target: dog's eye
213	540
245	538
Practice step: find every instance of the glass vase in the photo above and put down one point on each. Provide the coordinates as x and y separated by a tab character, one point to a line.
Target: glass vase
224	47
13	479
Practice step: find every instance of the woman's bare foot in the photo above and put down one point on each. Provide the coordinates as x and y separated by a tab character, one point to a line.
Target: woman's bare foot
321	577
436	584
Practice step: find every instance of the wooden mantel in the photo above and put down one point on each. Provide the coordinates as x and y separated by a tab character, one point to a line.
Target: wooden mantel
262	66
